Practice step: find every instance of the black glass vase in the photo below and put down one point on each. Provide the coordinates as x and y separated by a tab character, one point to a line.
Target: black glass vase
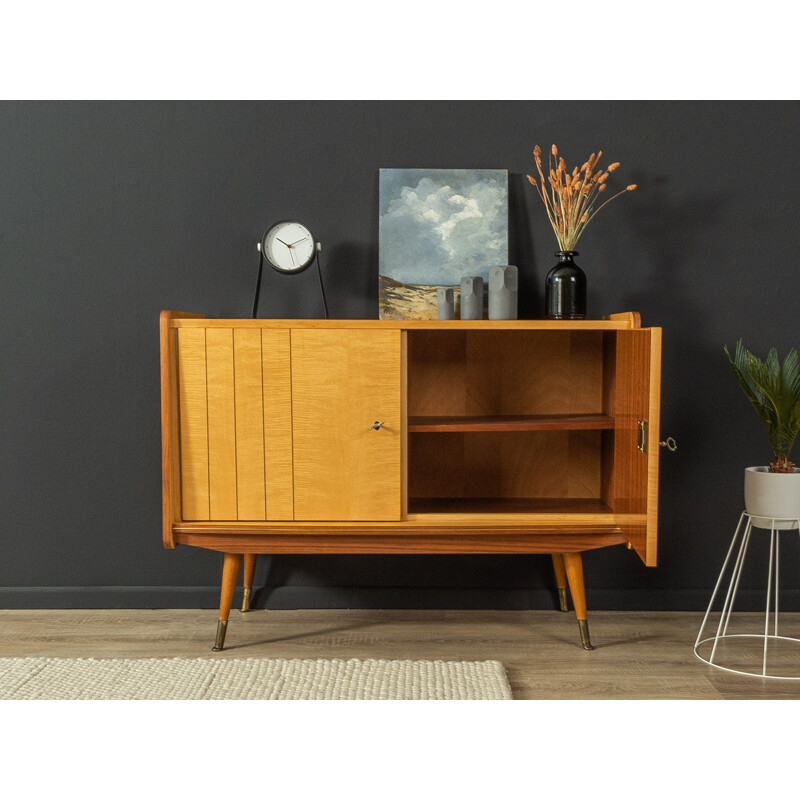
565	291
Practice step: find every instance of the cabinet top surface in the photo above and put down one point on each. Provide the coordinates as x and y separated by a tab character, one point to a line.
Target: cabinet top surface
618	322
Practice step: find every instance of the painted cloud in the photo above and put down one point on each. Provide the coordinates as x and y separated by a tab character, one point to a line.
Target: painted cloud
436	226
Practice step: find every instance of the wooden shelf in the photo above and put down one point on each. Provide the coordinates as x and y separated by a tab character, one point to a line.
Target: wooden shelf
516	505
540	422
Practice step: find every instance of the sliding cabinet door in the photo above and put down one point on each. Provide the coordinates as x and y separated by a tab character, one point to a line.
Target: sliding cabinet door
347	388
234	407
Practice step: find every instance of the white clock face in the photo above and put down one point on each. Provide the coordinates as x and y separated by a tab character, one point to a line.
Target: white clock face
289	246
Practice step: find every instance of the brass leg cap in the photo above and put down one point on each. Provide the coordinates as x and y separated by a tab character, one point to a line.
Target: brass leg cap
562	599
583	627
222	627
246	600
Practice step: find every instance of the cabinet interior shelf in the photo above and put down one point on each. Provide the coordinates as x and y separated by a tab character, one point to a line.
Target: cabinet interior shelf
511	505
539	422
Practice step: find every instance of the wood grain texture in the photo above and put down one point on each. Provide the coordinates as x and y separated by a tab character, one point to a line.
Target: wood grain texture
497	402
236	427
620	322
460	506
221	424
529	464
550	464
230	574
541	422
193	412
585	464
609	396
559	570
437	373
573	516
653	448
398	545
251	500
632	318
502	373
170	431
643	655
573	564
277	400
342	382
634	401
249	570
403	424
630	405
585	391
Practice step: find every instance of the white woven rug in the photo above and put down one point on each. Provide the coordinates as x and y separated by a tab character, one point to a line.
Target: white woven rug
249	679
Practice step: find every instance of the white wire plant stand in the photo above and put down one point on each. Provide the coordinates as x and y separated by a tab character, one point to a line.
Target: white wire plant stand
770	638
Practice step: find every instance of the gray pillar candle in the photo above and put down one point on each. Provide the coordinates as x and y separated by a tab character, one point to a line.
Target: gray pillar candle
472	298
445	303
502	292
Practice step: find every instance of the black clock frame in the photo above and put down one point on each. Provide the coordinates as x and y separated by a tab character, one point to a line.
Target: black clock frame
301	268
263	257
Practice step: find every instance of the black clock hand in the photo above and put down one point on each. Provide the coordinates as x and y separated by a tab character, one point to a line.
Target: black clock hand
282	242
298	241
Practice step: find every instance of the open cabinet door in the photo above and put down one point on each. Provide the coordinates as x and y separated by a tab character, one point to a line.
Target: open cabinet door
637	409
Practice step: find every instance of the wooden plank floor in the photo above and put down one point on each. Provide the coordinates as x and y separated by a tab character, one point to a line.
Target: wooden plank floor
638	655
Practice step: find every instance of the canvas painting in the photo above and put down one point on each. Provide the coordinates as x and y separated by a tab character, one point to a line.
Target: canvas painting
437	226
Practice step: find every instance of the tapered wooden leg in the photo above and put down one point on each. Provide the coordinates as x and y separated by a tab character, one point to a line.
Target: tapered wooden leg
230	572
574	567
249	571
561	579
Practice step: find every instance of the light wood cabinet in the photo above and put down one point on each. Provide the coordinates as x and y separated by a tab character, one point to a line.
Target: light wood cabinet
366	436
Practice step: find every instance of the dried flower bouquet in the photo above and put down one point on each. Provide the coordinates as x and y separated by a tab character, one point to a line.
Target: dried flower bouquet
570	197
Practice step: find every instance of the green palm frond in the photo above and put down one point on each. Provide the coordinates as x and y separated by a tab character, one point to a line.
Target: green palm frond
773	389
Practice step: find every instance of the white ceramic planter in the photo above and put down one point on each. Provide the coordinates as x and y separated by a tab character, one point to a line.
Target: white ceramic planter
769	495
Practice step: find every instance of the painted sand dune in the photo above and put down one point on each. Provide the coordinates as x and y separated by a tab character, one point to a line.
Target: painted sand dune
409	300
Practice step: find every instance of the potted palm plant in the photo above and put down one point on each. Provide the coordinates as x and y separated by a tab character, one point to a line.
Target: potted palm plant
772	492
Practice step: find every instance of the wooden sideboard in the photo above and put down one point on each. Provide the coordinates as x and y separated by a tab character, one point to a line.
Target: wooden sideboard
368	436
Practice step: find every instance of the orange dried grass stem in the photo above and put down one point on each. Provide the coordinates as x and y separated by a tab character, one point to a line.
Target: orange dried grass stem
570	197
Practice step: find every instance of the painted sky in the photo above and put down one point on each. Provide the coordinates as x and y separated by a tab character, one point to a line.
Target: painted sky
439	225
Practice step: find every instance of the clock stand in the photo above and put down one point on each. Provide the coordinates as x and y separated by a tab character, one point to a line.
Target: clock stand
288	247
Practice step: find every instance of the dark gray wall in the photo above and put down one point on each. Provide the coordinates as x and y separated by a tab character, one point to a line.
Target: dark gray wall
110	212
